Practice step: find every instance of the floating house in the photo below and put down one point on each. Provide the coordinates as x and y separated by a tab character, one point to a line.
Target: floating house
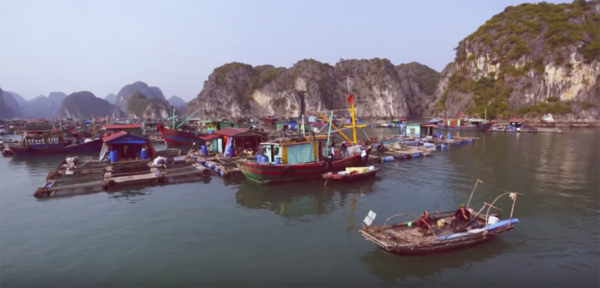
287	124
413	129
211	125
125	146
232	139
130	128
516	124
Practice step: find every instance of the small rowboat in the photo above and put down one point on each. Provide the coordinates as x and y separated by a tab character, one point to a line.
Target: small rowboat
406	239
352	176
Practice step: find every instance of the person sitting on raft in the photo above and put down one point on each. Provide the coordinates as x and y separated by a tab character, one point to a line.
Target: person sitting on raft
461	216
425	222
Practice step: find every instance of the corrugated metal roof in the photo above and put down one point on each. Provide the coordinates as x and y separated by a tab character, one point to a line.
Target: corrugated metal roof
123	126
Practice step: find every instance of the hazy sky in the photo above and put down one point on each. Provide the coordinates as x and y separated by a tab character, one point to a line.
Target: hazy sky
100	46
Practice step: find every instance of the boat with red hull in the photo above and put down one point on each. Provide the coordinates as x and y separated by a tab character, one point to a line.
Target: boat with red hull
176	137
266	173
93	146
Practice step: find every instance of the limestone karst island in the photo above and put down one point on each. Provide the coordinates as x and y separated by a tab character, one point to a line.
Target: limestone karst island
300	143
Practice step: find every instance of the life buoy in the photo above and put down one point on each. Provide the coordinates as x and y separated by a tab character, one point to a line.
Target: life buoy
288	171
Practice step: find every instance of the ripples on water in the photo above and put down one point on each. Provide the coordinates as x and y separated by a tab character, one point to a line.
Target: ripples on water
221	233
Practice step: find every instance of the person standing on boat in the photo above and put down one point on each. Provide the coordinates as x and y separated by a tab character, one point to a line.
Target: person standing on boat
461	216
332	150
344	149
363	156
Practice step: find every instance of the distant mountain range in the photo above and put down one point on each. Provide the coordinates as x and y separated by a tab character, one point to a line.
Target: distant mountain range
86	104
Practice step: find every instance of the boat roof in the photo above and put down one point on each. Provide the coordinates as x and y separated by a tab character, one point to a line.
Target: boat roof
476	120
122	126
123	137
235	131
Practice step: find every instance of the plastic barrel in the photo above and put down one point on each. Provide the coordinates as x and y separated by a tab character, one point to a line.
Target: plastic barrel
231	152
113	156
449	135
144	154
204	150
388	159
211	131
278	161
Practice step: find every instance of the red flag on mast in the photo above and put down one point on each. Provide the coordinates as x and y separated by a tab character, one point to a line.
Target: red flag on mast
351	99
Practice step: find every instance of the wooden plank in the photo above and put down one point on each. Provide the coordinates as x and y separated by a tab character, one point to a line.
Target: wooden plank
122	179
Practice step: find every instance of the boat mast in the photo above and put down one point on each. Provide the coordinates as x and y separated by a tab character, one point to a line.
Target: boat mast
353	110
329	132
95	129
173	117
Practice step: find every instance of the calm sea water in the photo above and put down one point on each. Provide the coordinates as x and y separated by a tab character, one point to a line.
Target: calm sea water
305	234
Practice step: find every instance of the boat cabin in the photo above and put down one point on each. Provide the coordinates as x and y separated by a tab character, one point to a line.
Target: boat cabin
231	140
516	124
130	128
294	152
44	141
125	146
476	121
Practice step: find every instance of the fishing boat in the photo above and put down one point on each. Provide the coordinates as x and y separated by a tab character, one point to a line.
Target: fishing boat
304	159
406	239
52	143
352	174
174	136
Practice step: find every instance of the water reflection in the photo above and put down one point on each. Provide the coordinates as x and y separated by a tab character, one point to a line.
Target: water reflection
298	200
393	268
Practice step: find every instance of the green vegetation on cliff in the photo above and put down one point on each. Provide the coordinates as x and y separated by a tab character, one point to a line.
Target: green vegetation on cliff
538	31
139	104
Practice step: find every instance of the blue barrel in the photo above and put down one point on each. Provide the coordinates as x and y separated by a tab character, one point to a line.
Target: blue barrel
113	156
231	152
211	131
278	161
449	135
204	150
144	154
388	159
265	159
444	146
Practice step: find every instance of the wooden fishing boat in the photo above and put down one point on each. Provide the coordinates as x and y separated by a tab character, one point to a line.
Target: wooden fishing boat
284	162
406	239
177	137
174	136
352	176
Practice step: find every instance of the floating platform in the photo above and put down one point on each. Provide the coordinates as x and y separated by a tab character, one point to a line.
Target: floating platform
223	166
74	177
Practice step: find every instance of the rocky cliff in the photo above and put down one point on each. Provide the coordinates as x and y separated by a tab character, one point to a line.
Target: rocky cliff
141	106
9	106
530	60
44	107
381	89
20	100
111	98
84	105
126	92
176	101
